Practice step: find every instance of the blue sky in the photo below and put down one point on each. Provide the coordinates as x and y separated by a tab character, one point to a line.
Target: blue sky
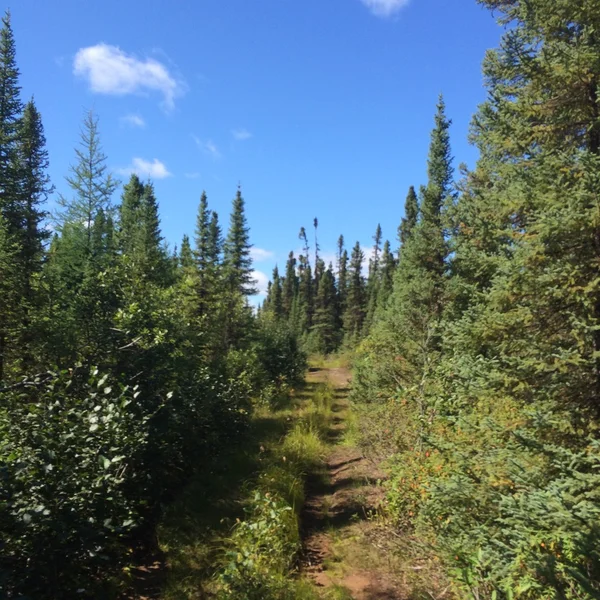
317	107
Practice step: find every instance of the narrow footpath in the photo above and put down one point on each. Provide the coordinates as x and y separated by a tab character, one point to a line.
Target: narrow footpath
337	520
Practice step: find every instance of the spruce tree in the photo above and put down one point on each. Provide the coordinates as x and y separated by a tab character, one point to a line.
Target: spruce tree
32	192
325	324
388	267
129	214
202	237
35	188
237	259
276	295
140	238
290	285
354	314
11	108
186	257
343	283
215	241
411	215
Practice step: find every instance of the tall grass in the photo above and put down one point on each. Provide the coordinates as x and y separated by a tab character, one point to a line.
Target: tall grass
213	547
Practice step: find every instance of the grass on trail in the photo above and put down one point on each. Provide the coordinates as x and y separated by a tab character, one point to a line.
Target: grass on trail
296	514
234	532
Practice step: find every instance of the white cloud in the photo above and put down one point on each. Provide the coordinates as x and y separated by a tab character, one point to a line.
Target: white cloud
385	8
146	168
109	70
241	134
261	282
192	175
208	147
259	255
133	121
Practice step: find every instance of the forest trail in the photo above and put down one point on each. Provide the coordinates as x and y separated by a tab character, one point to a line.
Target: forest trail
336	520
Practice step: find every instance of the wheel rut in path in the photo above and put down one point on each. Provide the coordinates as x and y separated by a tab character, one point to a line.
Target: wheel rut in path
338	499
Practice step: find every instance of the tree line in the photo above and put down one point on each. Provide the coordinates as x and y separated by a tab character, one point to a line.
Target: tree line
478	378
331	307
124	367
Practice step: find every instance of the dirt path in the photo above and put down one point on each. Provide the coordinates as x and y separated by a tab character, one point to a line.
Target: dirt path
339	502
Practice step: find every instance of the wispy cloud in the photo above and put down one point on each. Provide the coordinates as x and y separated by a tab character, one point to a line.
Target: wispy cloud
385	8
109	70
194	175
133	120
260	255
241	135
261	282
207	146
146	168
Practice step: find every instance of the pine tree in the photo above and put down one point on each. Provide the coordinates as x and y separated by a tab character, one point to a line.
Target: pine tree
290	285
354	314
237	259
186	257
276	295
411	216
318	271
140	238
215	242
342	264
325	325
373	281
305	294
202	237
35	188
343	283
31	193
11	108
388	267
129	215
305	285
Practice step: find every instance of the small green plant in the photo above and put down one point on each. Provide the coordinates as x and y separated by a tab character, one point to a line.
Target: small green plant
261	552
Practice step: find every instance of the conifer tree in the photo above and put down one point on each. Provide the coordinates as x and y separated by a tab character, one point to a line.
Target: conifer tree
215	242
388	267
373	281
186	257
202	237
34	189
90	182
237	259
411	215
290	285
354	314
129	214
11	108
305	285
325	325
305	294
140	237
276	295
342	274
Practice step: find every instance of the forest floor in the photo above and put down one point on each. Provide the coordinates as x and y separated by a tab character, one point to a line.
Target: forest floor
349	552
339	522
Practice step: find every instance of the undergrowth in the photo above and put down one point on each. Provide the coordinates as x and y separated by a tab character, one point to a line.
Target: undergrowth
257	499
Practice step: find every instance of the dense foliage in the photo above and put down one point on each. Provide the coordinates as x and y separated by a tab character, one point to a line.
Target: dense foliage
483	365
478	347
123	367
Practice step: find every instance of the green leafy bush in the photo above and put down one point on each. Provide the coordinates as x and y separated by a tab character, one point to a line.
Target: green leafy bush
73	481
263	547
